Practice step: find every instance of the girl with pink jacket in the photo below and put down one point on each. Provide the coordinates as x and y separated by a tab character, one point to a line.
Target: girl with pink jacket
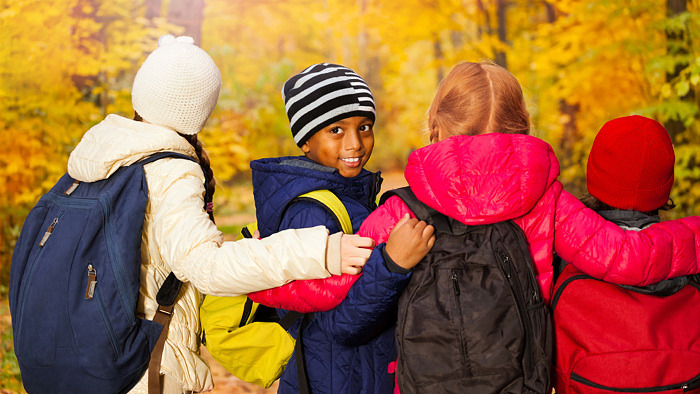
482	167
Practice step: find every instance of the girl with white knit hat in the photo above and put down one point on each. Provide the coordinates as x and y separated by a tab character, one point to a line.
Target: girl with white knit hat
174	93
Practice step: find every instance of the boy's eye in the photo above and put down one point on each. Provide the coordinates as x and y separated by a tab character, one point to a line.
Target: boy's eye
336	130
366	127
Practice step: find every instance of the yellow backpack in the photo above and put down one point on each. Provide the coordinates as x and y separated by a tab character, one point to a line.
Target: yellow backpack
250	343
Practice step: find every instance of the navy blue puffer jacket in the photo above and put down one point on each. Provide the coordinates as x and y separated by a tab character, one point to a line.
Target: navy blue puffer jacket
347	349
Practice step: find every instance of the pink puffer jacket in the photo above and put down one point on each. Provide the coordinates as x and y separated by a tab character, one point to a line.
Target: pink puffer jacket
494	177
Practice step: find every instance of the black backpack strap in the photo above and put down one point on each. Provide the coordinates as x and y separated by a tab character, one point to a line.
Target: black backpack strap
161	155
290	318
419	208
302	375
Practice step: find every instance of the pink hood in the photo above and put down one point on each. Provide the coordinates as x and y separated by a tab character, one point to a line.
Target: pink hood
485	178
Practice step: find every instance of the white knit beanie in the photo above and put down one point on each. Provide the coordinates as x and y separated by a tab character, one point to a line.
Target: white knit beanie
177	86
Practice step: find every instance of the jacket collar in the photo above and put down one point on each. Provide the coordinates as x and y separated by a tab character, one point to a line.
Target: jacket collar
632	220
278	181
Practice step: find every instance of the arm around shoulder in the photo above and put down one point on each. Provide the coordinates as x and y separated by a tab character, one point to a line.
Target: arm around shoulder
605	251
190	244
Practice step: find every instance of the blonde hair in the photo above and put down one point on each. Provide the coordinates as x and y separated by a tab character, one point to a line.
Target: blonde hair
478	98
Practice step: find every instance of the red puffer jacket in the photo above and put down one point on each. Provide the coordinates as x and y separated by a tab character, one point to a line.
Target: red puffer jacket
494	177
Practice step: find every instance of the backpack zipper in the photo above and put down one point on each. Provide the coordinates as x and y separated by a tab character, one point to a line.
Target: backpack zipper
92	281
48	233
692	384
521	304
113	251
462	343
30	272
455	283
108	324
516	288
561	288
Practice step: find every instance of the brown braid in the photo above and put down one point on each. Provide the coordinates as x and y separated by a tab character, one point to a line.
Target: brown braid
206	167
203	162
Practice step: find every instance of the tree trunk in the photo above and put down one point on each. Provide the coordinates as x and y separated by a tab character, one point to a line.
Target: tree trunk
500	56
188	14
153	9
570	132
439	58
676	46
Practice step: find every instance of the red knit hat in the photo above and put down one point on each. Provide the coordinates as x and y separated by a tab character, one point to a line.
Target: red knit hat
631	164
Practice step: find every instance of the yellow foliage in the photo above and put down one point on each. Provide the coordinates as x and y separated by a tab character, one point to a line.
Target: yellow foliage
65	64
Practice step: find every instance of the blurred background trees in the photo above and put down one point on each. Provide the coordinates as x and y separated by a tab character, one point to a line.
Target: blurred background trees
65	64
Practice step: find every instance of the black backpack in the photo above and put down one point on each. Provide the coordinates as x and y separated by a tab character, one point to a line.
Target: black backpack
472	319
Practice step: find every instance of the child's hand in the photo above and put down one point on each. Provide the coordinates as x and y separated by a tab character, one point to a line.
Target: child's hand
354	253
410	240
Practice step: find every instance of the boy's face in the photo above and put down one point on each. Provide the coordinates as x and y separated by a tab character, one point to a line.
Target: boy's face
345	145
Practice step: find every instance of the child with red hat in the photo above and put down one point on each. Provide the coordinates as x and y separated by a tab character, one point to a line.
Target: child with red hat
644	335
630	167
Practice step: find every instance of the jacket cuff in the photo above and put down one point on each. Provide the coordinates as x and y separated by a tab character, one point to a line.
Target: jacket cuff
392	266
333	253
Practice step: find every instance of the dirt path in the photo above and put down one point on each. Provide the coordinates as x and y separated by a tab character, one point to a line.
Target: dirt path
225	383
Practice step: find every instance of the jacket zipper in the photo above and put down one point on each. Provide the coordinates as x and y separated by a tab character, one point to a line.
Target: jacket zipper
463	345
691	384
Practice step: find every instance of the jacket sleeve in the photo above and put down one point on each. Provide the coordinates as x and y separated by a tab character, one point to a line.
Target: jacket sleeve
603	250
314	295
370	305
319	295
190	244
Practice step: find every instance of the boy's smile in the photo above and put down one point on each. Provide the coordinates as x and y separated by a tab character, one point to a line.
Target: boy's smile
345	145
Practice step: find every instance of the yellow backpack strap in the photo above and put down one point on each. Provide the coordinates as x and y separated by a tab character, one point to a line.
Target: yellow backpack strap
248	230
333	203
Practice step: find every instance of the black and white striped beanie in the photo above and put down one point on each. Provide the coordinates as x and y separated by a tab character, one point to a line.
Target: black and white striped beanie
323	94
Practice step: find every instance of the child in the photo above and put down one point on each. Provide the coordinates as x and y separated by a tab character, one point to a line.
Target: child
174	93
482	167
346	349
630	172
645	336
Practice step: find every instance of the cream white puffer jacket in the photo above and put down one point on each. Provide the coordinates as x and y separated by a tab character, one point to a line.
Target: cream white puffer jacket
178	236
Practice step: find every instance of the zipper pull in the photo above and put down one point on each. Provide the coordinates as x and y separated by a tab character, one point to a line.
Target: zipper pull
72	188
92	281
455	284
48	232
506	264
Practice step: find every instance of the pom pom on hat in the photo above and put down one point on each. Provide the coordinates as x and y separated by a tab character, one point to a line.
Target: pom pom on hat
323	94
177	86
631	164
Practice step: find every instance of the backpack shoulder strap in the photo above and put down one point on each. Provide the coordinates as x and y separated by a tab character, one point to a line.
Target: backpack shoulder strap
167	294
420	209
161	155
332	203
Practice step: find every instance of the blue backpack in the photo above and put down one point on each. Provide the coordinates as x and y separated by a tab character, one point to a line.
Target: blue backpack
74	287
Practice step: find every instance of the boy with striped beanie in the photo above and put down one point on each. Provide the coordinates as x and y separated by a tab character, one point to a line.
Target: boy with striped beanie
331	115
